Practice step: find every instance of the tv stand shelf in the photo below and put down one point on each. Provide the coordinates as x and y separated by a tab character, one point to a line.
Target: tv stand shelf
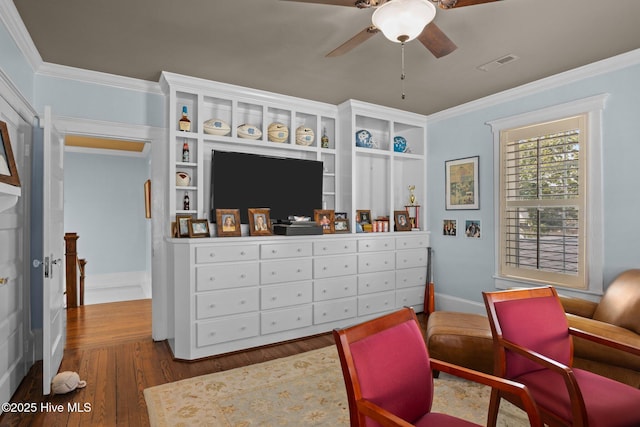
240	292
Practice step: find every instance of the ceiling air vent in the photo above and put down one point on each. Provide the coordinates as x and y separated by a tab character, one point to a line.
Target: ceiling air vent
498	62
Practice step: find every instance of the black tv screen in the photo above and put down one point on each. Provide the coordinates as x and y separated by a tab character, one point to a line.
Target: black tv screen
287	186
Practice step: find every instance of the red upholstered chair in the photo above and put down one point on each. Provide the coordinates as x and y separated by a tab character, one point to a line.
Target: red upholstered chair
387	373
534	347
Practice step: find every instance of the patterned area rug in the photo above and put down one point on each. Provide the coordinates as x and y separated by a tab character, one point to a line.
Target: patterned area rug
302	390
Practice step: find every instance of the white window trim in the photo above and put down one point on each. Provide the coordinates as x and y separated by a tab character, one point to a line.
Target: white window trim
592	106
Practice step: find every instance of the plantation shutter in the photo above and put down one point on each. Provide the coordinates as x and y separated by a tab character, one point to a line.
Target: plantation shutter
543	202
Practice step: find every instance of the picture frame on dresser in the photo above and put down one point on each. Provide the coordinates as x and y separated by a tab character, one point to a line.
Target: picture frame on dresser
363	216
182	224
259	222
8	169
341	226
199	228
325	218
402	221
228	222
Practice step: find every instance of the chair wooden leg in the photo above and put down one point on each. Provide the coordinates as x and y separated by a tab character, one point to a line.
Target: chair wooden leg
494	407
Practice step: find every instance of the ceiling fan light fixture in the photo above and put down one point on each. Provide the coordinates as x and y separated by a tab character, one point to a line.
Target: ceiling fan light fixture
403	20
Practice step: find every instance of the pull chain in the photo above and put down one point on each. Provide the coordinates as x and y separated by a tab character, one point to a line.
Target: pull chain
402	75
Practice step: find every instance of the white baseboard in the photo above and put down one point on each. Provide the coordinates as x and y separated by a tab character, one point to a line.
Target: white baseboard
113	287
451	303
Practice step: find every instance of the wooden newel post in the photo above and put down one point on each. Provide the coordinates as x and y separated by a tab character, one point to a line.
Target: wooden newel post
71	262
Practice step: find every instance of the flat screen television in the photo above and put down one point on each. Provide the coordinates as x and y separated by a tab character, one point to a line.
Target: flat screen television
285	185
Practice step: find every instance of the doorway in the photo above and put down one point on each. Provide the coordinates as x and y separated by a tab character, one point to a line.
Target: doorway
105	205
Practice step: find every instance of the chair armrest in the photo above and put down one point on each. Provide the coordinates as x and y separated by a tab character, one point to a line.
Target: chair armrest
604	341
578	306
575	395
511	387
380	415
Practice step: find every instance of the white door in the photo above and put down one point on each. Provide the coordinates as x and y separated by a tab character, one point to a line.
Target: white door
54	319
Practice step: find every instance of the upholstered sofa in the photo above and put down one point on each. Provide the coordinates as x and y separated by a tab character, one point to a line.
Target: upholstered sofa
616	316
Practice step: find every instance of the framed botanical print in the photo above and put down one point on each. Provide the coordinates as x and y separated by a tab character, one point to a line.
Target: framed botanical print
461	183
8	169
227	222
326	219
259	222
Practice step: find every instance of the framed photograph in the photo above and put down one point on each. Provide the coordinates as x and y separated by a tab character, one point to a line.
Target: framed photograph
326	219
228	222
472	228
174	229
341	215
199	228
8	169
402	220
182	225
449	227
363	216
259	222
461	183
341	225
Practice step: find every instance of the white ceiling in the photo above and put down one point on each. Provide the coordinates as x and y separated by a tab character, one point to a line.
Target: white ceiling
280	46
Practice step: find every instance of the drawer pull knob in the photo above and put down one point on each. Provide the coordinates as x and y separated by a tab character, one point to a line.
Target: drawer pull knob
242	301
346	288
346	266
212	278
367	285
324	248
299	270
212	306
242	276
367	306
212	334
242	253
299	318
346	310
324	268
273	322
346	246
273	273
299	294
273	298
324	291
242	328
299	249
273	251
211	254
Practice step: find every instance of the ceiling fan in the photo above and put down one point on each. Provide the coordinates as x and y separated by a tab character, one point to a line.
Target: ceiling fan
431	36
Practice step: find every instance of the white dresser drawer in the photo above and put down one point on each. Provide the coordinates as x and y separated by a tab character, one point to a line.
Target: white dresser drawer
412	242
341	287
410	297
411	277
276	296
285	271
286	319
333	266
380	261
223	303
376	282
334	247
221	276
330	311
285	250
374	245
375	303
224	253
411	258
227	329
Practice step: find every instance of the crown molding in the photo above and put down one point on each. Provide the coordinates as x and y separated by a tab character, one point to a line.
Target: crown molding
14	97
604	66
96	77
14	24
105	129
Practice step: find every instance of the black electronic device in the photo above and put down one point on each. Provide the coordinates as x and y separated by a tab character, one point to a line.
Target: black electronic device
287	186
297	229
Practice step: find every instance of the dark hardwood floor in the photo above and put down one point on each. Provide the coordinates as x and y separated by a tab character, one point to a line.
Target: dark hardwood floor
110	346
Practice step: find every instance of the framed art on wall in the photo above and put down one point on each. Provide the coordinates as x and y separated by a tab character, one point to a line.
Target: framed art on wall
259	222
228	222
461	183
8	169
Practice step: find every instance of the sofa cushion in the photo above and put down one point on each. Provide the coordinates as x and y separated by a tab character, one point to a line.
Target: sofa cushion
620	304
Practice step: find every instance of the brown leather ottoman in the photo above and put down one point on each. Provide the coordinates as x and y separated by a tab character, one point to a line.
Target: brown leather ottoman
461	338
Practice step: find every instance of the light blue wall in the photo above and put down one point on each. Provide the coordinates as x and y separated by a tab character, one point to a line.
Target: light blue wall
464	267
15	66
104	205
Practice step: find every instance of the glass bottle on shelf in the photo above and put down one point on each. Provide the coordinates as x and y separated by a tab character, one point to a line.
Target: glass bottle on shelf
185	152
185	201
184	123
325	139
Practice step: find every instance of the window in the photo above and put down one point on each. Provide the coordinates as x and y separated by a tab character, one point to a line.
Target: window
548	190
543	202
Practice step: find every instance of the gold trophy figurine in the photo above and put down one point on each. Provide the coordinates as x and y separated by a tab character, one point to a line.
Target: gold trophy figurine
412	197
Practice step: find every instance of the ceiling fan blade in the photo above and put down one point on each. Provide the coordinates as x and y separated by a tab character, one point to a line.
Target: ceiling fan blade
450	4
361	4
354	41
436	41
